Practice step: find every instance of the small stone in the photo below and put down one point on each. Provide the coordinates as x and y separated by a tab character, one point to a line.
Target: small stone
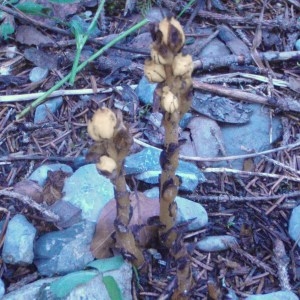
38	74
187	210
281	295
214	48
28	291
18	243
145	164
61	252
43	110
145	91
294	224
216	243
254	135
40	175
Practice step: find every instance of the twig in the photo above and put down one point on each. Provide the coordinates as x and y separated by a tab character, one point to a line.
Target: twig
281	260
210	63
18	14
15	157
281	165
28	201
260	174
283	104
236	248
250	19
29	97
227	197
224	158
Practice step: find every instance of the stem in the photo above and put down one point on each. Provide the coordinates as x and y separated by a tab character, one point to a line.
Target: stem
41	99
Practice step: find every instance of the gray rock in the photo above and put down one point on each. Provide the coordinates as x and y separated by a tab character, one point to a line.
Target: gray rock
204	138
220	109
68	213
38	74
146	165
281	295
216	243
89	191
96	287
18	243
187	210
43	110
145	91
294	224
215	48
41	173
2	288
61	252
254	135
28	291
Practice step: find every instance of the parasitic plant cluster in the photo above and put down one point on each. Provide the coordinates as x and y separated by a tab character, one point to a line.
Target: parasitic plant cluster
172	70
113	142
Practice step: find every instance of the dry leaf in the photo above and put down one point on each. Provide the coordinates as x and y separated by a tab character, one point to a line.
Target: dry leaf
29	35
29	188
143	209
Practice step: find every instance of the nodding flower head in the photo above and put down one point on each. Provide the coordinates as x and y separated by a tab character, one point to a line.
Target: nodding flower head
102	125
106	164
172	34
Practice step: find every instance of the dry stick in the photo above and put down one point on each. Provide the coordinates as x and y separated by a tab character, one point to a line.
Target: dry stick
260	174
32	96
224	158
51	216
281	260
285	105
210	63
227	197
250	19
236	248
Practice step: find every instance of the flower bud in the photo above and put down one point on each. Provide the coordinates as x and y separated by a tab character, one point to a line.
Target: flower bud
169	101
172	34
106	164
182	65
154	72
102	125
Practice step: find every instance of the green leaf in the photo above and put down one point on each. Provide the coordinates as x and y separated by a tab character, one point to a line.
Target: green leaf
112	288
32	8
6	29
64	1
107	264
64	285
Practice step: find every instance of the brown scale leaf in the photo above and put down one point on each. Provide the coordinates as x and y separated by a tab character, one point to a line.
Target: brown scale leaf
143	209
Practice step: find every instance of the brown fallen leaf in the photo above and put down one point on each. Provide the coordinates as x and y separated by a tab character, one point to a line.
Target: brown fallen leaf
29	188
143	209
52	191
